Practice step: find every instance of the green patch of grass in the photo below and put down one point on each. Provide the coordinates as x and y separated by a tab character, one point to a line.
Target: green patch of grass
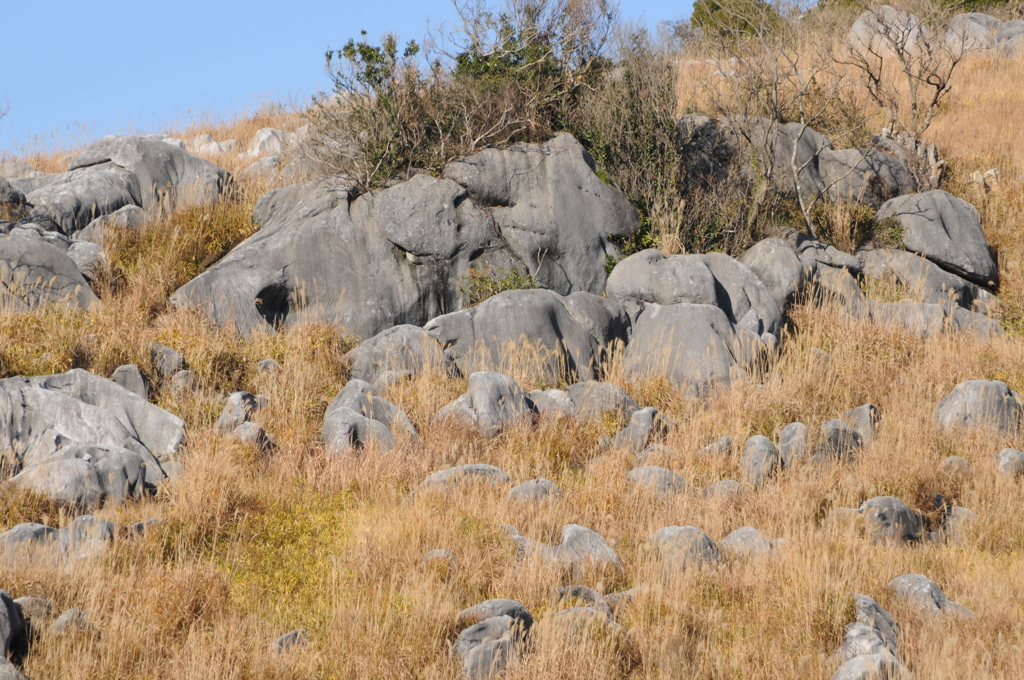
480	284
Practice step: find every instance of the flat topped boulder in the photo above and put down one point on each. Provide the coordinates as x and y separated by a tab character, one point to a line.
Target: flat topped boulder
400	255
464	475
400	352
921	592
946	230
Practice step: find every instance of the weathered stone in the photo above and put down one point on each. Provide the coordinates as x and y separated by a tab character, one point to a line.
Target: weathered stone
695	347
397	353
491	608
1010	462
760	458
922	592
658	479
270	366
346	429
492	402
776	263
838	287
536	490
864	419
987	404
644	424
72	622
166	361
130	378
400	255
237	410
955	465
34	272
889	519
925	280
551	335
684	547
552	403
745	543
357	403
580	547
720	447
475	473
871	614
724	488
837	442
594	399
946	230
881	666
712	279
289	641
793	444
251	434
165	172
922	319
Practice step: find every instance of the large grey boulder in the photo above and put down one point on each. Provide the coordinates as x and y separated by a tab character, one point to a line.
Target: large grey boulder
129	377
695	347
41	415
551	209
760	459
925	279
164	172
492	402
684	547
552	403
238	408
580	547
987	404
922	593
74	199
776	263
397	353
557	336
711	279
813	253
399	255
488	647
946	230
889	519
34	271
977	31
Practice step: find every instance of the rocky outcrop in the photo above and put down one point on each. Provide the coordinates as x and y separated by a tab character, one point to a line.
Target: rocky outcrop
82	439
398	256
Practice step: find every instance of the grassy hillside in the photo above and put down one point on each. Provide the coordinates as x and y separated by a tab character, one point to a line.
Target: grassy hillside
252	547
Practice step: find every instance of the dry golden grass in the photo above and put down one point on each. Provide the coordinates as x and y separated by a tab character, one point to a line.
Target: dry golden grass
253	546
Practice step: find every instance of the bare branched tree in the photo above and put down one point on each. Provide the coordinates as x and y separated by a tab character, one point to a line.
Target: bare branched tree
906	57
777	88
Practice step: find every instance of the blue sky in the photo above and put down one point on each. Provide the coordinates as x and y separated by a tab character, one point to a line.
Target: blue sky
95	68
